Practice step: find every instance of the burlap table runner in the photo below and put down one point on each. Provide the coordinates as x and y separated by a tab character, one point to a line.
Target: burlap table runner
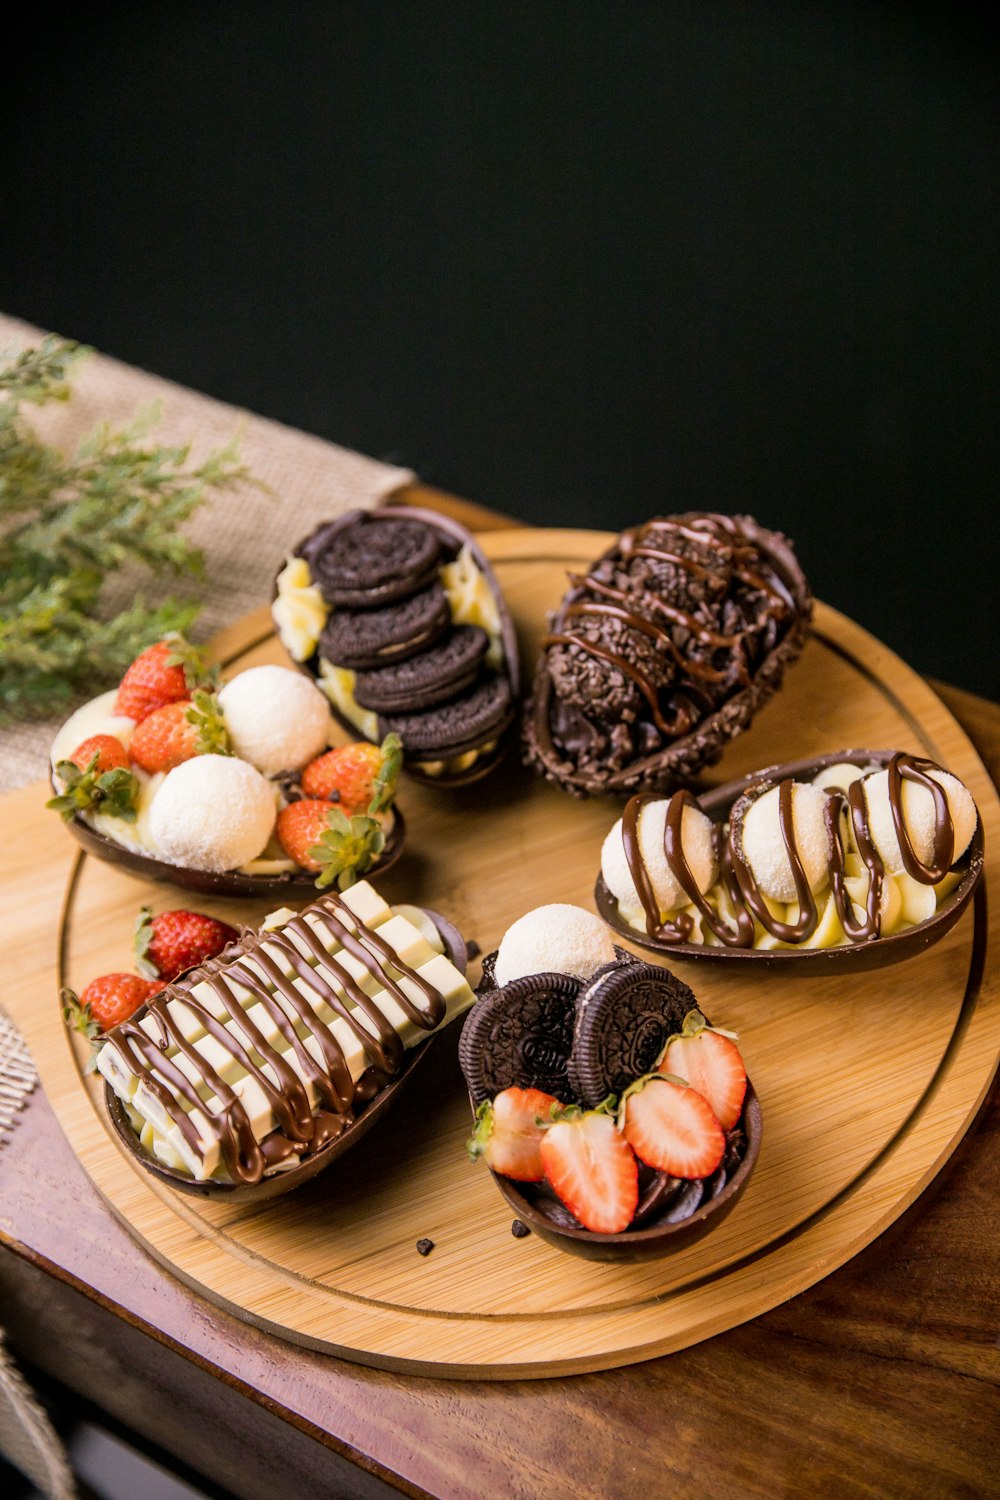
244	535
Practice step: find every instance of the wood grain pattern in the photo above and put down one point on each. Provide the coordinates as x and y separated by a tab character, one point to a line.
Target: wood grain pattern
821	1163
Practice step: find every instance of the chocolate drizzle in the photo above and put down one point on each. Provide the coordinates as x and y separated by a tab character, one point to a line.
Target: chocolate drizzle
736	877
320	1059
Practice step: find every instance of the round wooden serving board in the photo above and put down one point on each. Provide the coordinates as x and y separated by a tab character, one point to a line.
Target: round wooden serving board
867	1083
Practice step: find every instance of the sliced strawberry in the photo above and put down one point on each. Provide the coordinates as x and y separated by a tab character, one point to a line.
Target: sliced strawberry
591	1168
710	1062
507	1134
671	1127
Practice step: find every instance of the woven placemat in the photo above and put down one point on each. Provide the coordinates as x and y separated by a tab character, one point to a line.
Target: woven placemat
243	534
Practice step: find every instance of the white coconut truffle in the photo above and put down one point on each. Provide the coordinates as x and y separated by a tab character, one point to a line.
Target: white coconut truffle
557	939
918	816
696	840
212	812
277	719
764	847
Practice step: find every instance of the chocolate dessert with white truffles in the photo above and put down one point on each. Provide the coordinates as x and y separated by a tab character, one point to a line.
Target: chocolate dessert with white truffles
860	853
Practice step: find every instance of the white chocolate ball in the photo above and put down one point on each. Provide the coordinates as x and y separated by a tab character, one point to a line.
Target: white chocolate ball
696	840
764	847
556	939
212	812
277	719
918	817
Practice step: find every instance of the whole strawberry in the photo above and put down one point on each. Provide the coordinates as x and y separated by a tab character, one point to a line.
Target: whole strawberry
103	1003
96	779
111	754
320	837
166	672
175	941
178	731
361	778
164	738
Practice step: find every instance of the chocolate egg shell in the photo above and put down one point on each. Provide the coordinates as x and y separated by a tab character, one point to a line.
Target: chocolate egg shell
299	885
493	1057
656	1238
678	759
453	538
848	957
284	1181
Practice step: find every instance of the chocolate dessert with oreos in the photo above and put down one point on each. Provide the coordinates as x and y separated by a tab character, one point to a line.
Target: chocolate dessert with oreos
663	651
616	1120
399	616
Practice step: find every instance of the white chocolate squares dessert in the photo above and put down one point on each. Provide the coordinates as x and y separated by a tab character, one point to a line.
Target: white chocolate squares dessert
265	1054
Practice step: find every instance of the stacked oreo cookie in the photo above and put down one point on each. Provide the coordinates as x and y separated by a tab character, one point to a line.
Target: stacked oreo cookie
576	1039
415	638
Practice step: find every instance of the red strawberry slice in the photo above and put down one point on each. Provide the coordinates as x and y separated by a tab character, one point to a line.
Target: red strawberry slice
711	1063
592	1169
507	1135
672	1127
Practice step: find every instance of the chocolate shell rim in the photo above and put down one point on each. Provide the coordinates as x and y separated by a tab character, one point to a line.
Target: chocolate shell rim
276	1183
655	1239
511	666
856	957
224	882
677	763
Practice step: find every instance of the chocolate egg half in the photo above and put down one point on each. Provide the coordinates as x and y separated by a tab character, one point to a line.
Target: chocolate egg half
663	652
399	617
902	917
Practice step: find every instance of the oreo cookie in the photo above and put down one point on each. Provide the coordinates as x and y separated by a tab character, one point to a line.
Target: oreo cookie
624	1016
363	639
520	1036
365	563
442	671
449	729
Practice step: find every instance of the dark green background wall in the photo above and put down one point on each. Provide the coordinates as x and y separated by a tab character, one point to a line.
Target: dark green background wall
584	262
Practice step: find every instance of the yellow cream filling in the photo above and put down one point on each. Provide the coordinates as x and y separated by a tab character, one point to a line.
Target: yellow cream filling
299	611
472	601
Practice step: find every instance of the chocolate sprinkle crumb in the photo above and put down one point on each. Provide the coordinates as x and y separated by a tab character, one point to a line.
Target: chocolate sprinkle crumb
518	1230
424	1247
474	948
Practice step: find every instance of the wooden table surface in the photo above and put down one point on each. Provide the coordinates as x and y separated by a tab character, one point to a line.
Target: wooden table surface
882	1380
